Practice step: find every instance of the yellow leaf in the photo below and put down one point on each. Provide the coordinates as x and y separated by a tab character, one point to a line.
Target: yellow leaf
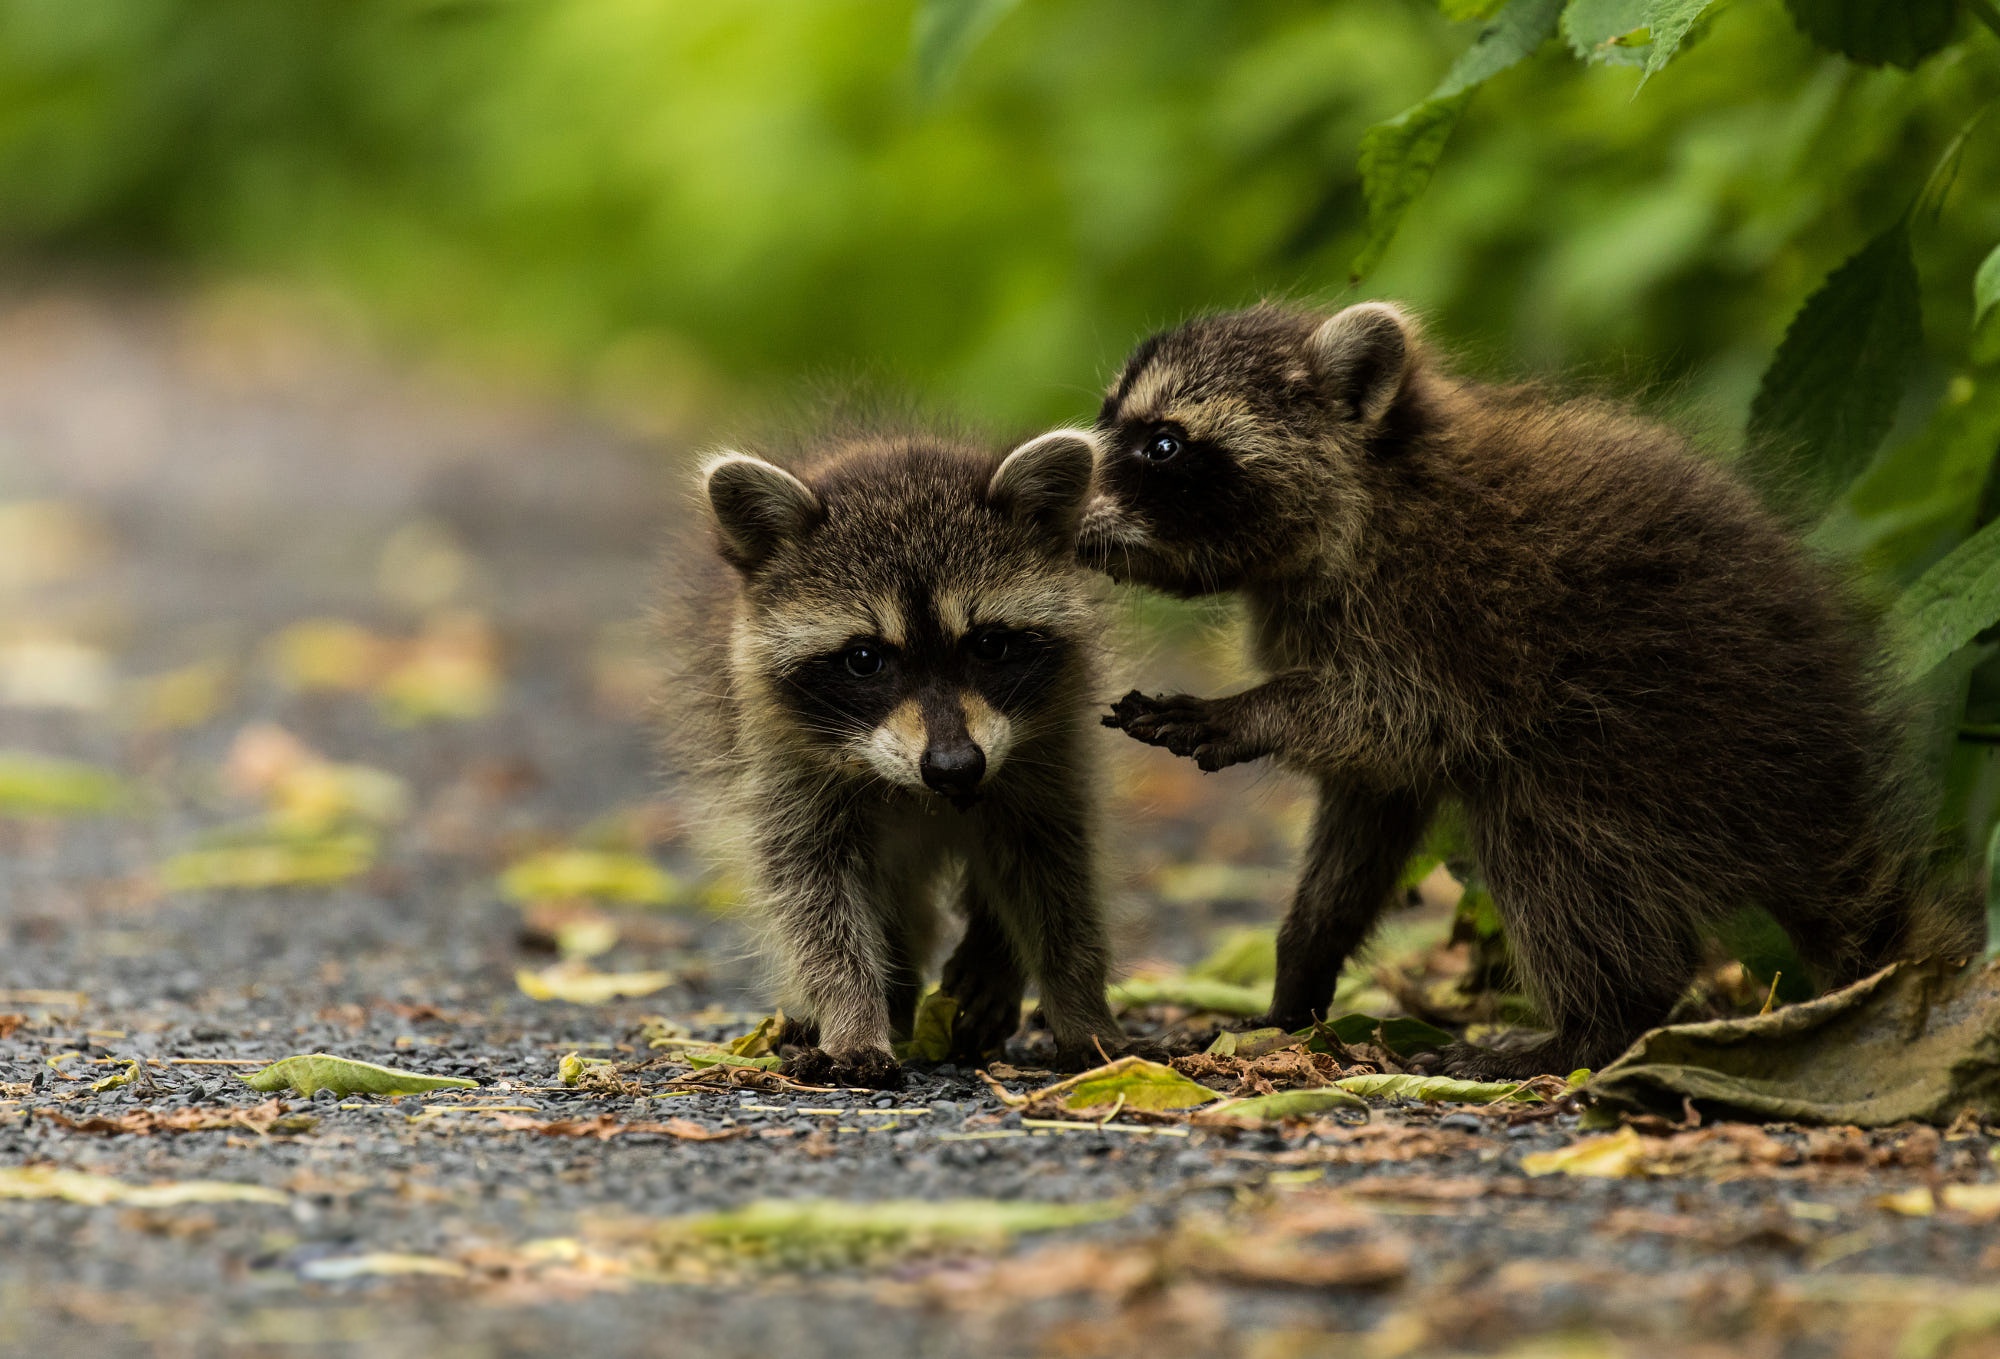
45	541
76	1186
1132	1082
1614	1156
1917	1202
930	1036
327	653
574	1067
320	795
177	699
32	785
581	986
566	874
1441	1089
125	1077
273	863
451	672
1981	1201
761	1041
811	1233
310	1072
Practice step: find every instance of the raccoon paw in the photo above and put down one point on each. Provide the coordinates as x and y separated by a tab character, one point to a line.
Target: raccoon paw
987	1018
1195	728
869	1070
1469	1062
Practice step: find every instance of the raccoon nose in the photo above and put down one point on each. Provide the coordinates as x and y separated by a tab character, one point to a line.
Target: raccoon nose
953	770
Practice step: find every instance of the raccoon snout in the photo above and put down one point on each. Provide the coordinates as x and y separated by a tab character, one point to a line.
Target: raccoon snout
953	770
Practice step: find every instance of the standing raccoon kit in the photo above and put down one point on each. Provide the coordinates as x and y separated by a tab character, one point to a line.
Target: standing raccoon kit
1652	705
887	692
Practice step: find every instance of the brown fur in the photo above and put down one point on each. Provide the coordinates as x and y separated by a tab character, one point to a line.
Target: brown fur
854	799
1653	705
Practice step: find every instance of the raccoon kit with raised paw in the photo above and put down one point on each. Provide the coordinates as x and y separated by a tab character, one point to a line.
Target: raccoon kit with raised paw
1653	706
885	695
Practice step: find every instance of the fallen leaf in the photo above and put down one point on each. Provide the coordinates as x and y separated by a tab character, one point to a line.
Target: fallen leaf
330	1269
77	1186
575	1068
930	1035
1978	1201
125	1077
312	861
328	653
55	672
262	1119
1917	1202
1192	993
1128	1083
571	874
711	1055
580	985
1254	1043
819	1233
177	699
34	785
1439	1089
1614	1156
1400	1034
1257	1259
1283	1104
450	671
761	1041
604	1127
1915	1042
310	1072
46	541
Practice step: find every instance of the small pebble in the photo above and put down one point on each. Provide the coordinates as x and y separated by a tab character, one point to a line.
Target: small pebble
1462	1123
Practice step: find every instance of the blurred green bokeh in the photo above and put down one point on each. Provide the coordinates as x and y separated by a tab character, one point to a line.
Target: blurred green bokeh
697	206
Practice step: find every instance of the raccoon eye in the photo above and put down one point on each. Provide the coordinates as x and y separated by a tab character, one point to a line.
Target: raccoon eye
1162	447
992	646
863	661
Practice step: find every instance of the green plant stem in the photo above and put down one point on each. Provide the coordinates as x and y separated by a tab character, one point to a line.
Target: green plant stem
1984	11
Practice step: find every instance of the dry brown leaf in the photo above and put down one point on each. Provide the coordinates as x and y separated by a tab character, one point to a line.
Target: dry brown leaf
9	1023
1236	1257
1291	1068
605	1127
264	1119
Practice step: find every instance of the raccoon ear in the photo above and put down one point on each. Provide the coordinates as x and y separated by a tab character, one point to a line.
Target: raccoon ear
1046	480
757	506
1363	355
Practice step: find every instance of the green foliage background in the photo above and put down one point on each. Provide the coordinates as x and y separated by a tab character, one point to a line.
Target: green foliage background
691	208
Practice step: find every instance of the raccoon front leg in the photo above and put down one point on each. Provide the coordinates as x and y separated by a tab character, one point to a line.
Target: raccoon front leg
984	976
1205	730
839	962
1036	864
1359	844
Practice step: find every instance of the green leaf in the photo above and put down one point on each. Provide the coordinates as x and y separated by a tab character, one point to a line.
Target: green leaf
1402	1035
1399	156
1609	32
1948	605
1254	1043
1137	1083
719	1056
314	1071
1191	992
1244	957
1460	11
762	1040
1986	286
1878	32
825	1234
33	785
1286	1104
1670	21
125	1077
1440	1089
1832	391
944	34
930	1035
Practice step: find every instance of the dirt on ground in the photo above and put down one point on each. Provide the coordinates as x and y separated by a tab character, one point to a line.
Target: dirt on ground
374	638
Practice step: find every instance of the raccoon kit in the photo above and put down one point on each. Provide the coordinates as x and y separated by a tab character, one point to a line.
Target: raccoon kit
1652	705
888	694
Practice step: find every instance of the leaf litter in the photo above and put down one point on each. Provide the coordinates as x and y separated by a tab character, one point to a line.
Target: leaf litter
311	1072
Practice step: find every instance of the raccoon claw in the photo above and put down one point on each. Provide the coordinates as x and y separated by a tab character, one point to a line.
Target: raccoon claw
868	1070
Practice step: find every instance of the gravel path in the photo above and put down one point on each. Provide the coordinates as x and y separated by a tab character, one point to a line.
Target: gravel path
244	473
